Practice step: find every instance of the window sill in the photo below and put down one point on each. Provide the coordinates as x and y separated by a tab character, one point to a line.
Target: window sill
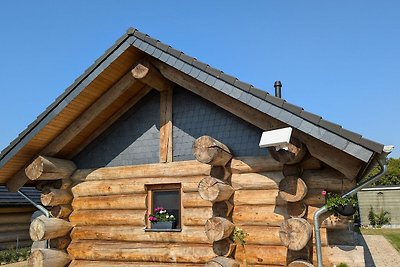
163	230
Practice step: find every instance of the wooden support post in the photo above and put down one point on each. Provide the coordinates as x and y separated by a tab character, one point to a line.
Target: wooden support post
218	228
214	190
43	228
48	257
54	197
210	151
148	74
49	168
166	126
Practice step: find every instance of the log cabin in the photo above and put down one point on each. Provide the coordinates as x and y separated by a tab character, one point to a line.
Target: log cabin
147	126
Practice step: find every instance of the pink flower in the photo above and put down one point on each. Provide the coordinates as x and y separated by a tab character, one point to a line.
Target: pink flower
323	192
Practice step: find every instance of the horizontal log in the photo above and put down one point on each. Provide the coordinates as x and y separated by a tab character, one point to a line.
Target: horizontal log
86	263
266	255
132	201
61	212
18	209
150	252
14	227
267	164
14	236
258	197
43	228
262	235
171	169
16	218
49	168
266	215
54	197
210	151
189	234
256	181
193	200
196	216
131	186
108	217
11	245
327	179
48	257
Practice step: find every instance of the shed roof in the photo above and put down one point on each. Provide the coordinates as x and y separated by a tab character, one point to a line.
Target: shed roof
10	199
110	67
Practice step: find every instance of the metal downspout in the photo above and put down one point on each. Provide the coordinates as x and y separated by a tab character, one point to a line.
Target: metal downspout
39	207
383	164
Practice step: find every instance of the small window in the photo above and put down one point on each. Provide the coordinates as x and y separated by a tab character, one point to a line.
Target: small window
167	197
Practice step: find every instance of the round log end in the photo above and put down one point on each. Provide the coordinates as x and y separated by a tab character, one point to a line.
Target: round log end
300	263
140	71
222	262
295	233
292	189
210	151
218	228
37	229
35	169
213	189
224	247
296	209
48	257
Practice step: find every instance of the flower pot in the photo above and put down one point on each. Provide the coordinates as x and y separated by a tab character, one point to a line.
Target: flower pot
347	210
162	225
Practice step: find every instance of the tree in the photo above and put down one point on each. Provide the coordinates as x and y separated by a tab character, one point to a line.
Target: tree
392	176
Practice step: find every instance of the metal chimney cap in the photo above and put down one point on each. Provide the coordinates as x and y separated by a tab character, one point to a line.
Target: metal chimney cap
277	84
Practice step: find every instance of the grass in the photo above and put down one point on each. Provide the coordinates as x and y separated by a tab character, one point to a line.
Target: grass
14	255
392	235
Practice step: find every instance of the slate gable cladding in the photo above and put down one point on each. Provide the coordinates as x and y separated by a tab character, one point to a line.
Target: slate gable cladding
132	139
194	117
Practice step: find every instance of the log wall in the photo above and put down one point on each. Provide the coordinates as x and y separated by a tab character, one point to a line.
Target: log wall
109	208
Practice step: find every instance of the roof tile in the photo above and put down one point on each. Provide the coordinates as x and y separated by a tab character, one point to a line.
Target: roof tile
174	52
274	100
186	58
295	121
157	53
187	68
150	40
330	125
227	78
162	46
200	65
194	72
311	117
352	136
242	85
210	80
285	116
139	34
292	108
219	84
178	64
150	49
257	92
164	57
264	107
202	76
371	144
254	102
227	88
215	72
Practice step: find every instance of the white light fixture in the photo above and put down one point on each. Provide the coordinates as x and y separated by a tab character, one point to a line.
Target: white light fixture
276	138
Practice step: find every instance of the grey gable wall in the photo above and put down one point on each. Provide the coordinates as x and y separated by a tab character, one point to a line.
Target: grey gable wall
132	139
194	116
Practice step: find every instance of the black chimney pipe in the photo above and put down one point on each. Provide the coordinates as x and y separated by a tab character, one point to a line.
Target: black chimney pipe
278	89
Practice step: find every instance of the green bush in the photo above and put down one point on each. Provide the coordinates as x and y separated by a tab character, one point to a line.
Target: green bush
14	255
378	219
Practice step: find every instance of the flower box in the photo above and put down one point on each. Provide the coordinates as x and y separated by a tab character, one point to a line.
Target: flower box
162	225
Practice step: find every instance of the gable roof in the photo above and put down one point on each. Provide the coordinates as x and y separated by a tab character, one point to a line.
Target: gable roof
132	46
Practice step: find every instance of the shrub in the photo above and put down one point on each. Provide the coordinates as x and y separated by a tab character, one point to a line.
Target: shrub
14	255
378	219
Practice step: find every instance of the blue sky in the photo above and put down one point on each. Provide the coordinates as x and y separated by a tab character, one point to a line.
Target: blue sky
338	59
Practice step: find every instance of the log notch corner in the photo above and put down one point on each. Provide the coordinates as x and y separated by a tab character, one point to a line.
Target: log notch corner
217	189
